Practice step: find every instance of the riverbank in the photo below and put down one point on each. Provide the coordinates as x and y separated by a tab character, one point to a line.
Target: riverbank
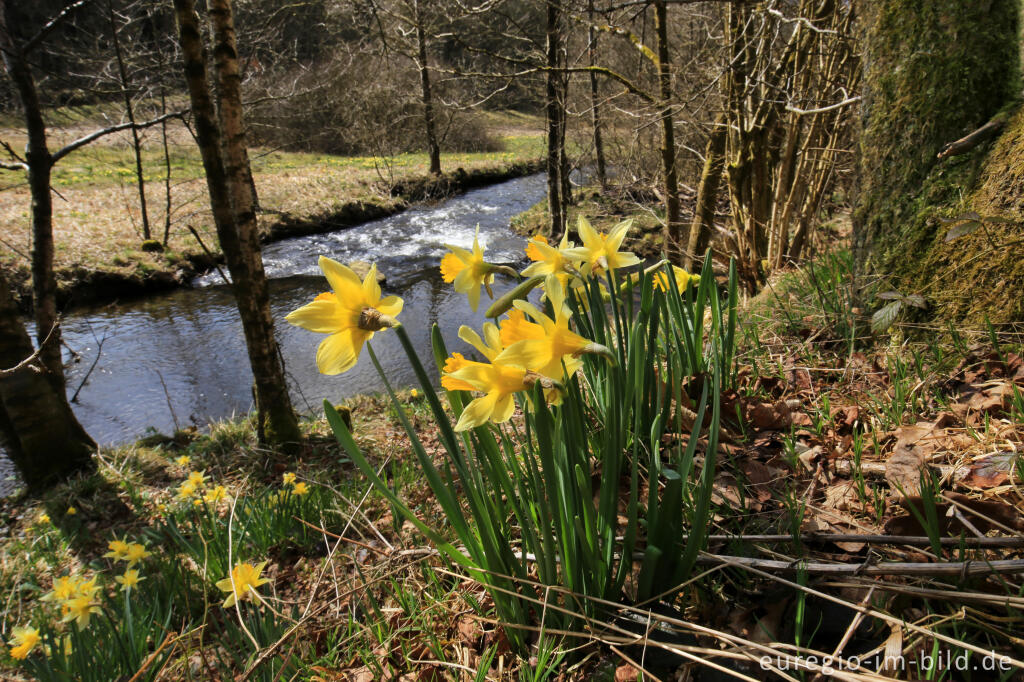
125	269
604	210
824	421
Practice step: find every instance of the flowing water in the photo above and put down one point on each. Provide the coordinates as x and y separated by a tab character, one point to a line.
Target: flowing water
178	359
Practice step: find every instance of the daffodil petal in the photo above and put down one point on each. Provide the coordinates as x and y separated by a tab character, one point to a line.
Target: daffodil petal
477	412
345	283
323	316
390	305
503	409
339	352
371	289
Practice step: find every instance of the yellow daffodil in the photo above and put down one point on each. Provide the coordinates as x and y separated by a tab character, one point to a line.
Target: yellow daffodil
548	260
43	518
682	277
413	393
118	550
454	363
288	478
87	588
498	382
25	639
600	252
350	314
242	582
129	579
197	479
543	345
183	461
64	588
490	346
300	488
468	271
71	511
215	494
79	609
186	490
136	553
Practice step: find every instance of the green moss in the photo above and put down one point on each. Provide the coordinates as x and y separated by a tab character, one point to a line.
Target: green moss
934	71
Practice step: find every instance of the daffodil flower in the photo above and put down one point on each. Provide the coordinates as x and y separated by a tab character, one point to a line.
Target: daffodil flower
197	479
129	579
468	271
288	478
71	511
548	260
186	490
546	343
64	588
300	488
215	494
25	639
136	553
242	582
490	346
350	314
79	609
498	382
183	461
682	277
43	518
600	252
118	550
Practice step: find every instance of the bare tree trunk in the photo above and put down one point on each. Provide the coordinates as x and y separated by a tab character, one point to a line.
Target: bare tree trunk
595	111
40	165
130	111
45	440
673	224
707	195
226	163
167	169
433	147
553	104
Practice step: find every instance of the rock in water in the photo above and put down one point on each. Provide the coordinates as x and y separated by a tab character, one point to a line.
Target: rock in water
362	268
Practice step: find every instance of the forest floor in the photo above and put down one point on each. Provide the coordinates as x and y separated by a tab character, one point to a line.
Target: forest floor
98	225
831	428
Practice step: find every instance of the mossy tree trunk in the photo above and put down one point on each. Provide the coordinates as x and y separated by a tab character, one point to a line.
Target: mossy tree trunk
935	70
45	440
554	113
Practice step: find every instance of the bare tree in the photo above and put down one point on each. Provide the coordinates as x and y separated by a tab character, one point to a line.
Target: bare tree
222	146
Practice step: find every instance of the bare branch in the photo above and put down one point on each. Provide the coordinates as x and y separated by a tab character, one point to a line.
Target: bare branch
92	137
821	110
39	37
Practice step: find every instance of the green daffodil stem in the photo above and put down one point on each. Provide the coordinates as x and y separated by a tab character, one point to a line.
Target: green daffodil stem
598	349
502	305
505	270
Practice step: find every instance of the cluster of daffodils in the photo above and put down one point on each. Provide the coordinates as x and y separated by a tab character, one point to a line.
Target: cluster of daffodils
131	553
298	488
195	488
525	348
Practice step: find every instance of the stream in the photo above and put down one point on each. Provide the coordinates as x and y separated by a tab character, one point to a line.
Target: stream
179	359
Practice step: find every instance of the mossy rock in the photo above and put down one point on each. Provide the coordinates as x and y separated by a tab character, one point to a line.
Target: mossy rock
152	246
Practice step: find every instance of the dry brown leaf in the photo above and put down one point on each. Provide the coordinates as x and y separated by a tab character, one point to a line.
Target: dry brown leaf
991	471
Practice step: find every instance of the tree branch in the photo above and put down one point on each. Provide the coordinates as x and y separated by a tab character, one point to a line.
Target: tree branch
969	142
39	37
92	137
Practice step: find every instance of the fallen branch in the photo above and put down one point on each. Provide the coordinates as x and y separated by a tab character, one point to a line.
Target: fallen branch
953	568
969	142
914	540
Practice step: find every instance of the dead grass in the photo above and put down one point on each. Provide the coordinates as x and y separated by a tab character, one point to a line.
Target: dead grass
97	221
